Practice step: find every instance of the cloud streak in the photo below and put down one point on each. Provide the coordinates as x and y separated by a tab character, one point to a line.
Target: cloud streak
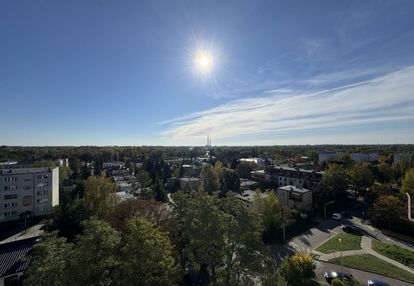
386	99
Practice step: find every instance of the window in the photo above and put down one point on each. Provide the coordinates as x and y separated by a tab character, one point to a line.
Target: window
10	197
295	196
45	176
10	205
43	200
11	213
27	179
39	176
45	192
27	187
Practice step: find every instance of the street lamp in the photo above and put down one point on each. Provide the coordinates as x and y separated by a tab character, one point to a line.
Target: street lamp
409	207
340	249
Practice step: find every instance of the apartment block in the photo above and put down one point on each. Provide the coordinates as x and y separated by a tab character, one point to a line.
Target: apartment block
30	191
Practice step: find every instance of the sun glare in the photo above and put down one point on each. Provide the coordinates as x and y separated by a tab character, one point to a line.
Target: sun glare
204	61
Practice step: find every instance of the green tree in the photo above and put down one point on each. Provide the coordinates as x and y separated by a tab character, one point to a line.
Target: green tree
271	213
147	256
408	183
64	174
94	259
67	219
361	177
49	262
244	169
144	178
221	236
230	181
298	270
386	210
100	195
209	180
336	178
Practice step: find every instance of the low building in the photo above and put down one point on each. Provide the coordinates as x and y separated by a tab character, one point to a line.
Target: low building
402	156
247	184
258	162
329	156
113	165
294	197
13	261
193	183
364	157
28	192
300	178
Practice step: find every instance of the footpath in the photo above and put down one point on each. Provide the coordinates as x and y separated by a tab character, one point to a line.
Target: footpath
366	248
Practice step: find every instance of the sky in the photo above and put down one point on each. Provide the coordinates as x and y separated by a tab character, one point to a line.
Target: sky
280	72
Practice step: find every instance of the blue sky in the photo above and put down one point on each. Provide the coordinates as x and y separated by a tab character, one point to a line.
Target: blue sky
284	72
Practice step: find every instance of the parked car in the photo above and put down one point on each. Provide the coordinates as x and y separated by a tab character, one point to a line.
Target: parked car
329	276
351	229
377	283
337	216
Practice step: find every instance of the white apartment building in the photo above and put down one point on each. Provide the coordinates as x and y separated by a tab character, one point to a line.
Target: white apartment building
30	191
364	157
329	156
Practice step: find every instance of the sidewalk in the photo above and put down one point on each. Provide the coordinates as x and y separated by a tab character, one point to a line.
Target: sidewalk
366	248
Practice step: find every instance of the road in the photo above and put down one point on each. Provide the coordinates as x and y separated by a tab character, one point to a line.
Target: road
361	276
319	234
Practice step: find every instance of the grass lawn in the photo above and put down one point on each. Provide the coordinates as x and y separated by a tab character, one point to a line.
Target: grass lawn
371	263
349	242
395	252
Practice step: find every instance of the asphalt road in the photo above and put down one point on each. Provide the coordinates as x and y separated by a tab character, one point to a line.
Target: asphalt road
361	276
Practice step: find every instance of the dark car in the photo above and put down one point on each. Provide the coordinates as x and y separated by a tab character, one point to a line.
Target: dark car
377	283
329	276
351	229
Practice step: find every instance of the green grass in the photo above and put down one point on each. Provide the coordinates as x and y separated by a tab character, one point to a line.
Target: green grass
394	252
349	242
371	263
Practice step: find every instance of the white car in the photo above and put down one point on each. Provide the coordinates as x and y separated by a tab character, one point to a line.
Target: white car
337	216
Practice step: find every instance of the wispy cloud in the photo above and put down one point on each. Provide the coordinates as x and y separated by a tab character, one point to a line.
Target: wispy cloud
386	99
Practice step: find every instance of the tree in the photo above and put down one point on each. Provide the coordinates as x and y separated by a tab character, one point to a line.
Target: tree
49	262
336	178
150	210
408	183
67	219
244	169
386	210
144	179
230	181
209	180
64	173
160	193
100	195
271	213
361	177
75	164
147	256
298	270
217	232
94	259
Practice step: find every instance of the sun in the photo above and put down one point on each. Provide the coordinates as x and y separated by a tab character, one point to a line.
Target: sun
203	61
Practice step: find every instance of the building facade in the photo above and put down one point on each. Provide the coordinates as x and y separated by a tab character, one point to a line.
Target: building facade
329	156
364	157
28	191
296	198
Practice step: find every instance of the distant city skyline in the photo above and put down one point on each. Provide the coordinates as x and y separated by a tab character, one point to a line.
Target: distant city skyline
174	72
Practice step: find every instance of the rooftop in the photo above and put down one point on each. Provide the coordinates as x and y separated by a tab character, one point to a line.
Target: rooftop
291	188
12	254
26	170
